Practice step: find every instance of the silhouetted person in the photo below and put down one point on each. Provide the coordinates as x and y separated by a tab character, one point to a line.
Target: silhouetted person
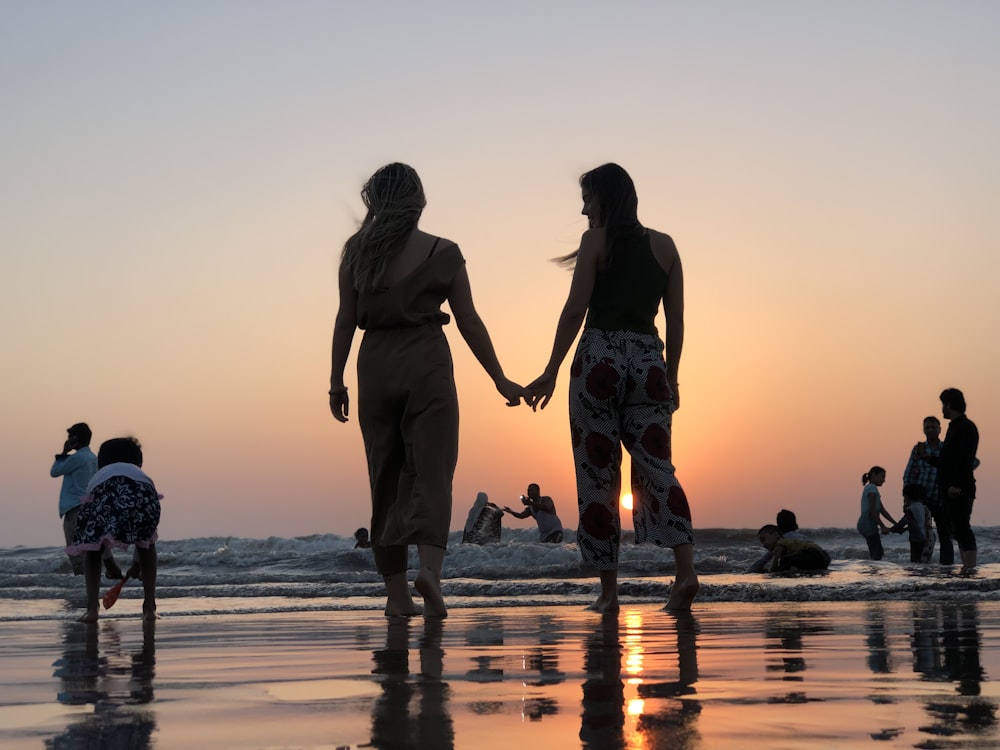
393	280
956	477
361	540
623	387
76	464
922	469
543	510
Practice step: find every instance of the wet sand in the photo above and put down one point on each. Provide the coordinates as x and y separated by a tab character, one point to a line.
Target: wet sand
769	675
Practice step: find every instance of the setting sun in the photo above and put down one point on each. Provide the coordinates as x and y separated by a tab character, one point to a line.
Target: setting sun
627	501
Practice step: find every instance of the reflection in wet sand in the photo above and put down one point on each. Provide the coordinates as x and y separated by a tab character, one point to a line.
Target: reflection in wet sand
94	669
412	711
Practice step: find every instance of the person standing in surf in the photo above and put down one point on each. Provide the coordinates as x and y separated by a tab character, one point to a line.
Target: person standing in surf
623	391
393	280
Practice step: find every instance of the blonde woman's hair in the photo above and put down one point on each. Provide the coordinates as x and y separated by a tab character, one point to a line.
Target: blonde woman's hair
394	199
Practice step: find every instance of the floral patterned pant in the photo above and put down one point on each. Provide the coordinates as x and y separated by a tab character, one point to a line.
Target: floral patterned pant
619	396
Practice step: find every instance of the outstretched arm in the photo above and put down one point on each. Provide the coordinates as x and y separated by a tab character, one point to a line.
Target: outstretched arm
523	514
344	328
573	314
473	330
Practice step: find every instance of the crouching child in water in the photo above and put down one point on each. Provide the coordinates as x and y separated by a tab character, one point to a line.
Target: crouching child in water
121	508
792	554
918	520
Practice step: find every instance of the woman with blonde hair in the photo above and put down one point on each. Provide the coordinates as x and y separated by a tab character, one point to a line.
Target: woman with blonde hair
393	280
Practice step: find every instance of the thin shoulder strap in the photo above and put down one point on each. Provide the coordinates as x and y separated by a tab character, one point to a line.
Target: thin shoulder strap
434	246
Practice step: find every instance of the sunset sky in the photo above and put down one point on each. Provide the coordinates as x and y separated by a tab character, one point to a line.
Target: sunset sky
178	180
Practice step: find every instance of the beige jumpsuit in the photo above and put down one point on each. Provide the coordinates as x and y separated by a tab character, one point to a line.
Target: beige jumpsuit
408	409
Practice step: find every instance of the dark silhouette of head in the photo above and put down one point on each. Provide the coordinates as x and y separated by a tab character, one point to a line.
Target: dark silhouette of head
81	431
614	191
953	399
120	450
786	521
871	473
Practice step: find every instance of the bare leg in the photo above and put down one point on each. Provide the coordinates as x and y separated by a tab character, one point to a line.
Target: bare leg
607	602
147	564
111	569
428	581
686	584
399	603
92	578
968	560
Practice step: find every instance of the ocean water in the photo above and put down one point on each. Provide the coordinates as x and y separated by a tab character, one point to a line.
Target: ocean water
325	573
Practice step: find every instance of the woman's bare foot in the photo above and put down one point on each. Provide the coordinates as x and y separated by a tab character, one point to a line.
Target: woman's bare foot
428	586
682	593
605	605
89	616
149	611
403	609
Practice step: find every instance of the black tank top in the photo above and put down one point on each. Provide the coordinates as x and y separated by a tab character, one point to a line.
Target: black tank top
627	294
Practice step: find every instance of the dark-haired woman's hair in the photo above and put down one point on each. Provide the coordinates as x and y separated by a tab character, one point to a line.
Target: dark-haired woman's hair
618	204
768	528
873	470
121	450
394	199
953	398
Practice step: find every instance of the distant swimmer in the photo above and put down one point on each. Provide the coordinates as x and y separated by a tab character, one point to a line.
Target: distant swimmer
361	540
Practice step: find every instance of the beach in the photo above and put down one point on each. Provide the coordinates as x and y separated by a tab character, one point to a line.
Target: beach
742	675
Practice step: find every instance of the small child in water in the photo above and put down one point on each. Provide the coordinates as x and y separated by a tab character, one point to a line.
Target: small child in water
122	507
917	519
789	554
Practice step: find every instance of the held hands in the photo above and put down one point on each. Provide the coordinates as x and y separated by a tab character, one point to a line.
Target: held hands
539	391
511	391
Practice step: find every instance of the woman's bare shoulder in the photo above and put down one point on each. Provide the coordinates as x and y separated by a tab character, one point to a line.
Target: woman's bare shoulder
660	240
664	249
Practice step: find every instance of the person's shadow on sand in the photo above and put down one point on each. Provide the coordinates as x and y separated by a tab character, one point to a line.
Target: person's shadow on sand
413	710
89	675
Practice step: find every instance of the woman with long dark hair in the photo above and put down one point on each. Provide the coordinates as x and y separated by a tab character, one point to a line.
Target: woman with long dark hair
393	279
623	391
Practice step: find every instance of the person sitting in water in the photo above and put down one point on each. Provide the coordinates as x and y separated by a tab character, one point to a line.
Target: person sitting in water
483	523
540	506
789	528
789	554
363	542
